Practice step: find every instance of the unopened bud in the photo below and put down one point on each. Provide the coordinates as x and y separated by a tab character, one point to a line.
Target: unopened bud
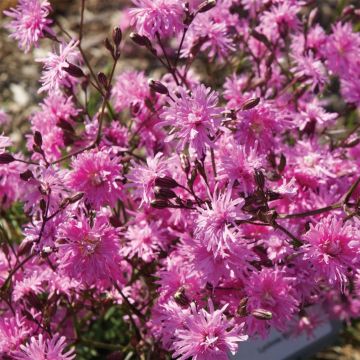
25	176
73	70
160	204
140	40
117	36
206	6
250	104
43	205
158	87
102	79
262	314
181	298
6	158
38	138
166	182
241	310
259	179
164	193
109	46
185	163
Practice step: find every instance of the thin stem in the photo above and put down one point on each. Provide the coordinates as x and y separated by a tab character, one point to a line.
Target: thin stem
310	212
81	20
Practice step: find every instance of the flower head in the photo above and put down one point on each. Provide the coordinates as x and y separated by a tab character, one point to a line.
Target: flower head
333	248
40	349
98	175
194	118
270	290
29	22
54	76
207	335
89	253
215	223
152	17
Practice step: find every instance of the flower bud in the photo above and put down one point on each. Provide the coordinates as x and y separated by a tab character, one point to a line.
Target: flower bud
102	79
6	158
26	175
262	314
259	179
185	163
73	70
206	6
38	138
166	182
158	87
160	204
181	298
250	104
164	193
117	36
140	40
109	46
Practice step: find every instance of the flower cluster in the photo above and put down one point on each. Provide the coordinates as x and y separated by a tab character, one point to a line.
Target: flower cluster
198	203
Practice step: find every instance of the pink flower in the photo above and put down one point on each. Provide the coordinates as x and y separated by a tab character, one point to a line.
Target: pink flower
157	16
143	177
194	118
312	69
270	290
333	249
216	223
98	175
207	335
238	164
89	253
54	76
145	240
39	349
29	22
342	48
13	332
130	90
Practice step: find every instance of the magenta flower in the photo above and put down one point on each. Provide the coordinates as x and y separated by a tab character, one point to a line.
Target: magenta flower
13	332
29	22
54	76
207	335
194	118
143	177
98	175
89	253
238	164
157	16
333	249
270	290
145	240
39	349
216	224
130	90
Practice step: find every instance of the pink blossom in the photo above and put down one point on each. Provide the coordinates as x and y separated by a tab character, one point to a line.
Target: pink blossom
207	335
270	290
98	175
143	177
151	17
88	253
30	22
39	349
194	118
333	248
216	223
54	76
